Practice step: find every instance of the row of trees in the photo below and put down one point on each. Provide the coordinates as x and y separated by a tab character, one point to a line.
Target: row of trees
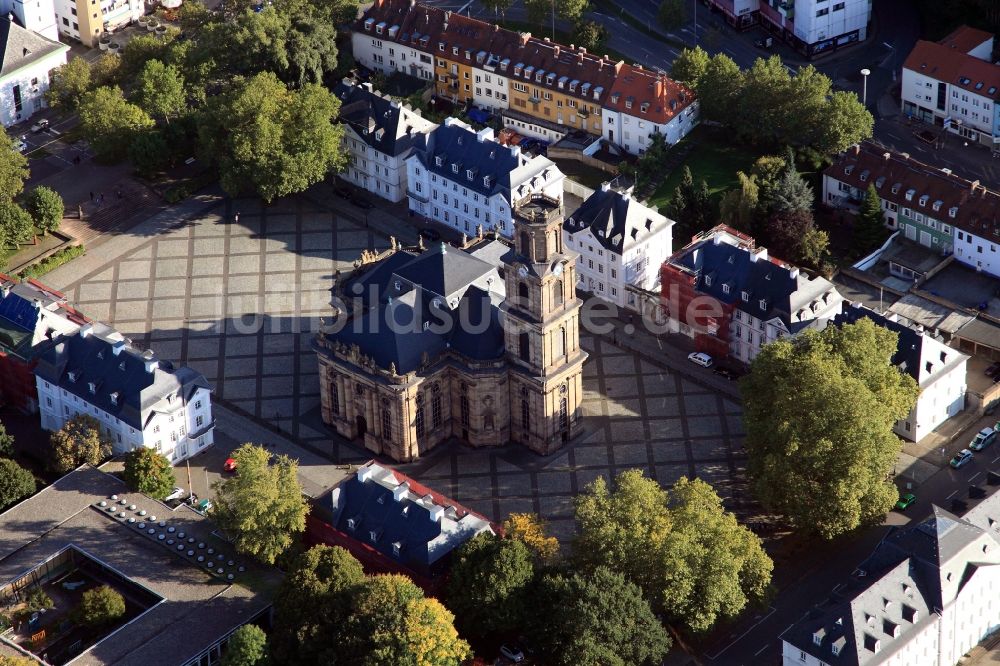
770	106
21	217
242	90
588	34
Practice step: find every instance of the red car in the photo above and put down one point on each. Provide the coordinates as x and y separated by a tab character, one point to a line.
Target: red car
229	465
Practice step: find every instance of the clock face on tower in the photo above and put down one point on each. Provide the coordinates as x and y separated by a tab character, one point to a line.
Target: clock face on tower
522	271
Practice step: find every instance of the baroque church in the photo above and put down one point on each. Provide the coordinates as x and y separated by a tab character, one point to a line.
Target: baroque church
480	343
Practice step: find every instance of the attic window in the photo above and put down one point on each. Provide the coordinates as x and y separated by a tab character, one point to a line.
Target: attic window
438	161
72	375
763	304
992	90
937	204
909	194
849	169
964	80
880	181
572	85
92	387
373	536
454	50
953	211
440	46
725	289
114	398
352	523
746	296
923	199
644	107
396	548
864	176
517	70
895	188
628	102
979	86
454	168
550	78
538	76
486	181
708	280
121	366
469	174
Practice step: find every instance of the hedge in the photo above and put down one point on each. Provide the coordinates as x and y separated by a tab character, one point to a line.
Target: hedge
52	262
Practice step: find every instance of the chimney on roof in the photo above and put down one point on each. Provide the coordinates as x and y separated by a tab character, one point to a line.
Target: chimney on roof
583	49
524	37
857	149
618	66
436	512
86	330
886	156
35	303
973	185
365	473
555	50
149	360
117	347
606	186
547	40
400	491
639	67
794	273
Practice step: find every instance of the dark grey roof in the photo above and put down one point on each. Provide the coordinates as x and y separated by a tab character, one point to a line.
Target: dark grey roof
377	119
20	47
909	347
98	365
614	218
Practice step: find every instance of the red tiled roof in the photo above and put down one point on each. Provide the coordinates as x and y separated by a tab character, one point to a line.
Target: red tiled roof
978	209
946	64
649	94
965	38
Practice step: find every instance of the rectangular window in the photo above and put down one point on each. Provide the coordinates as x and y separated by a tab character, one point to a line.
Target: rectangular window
464	407
436	409
419	419
386	424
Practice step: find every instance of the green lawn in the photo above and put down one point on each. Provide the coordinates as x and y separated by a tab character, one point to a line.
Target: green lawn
714	158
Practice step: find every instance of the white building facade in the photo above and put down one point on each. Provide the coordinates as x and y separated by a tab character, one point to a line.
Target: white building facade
466	179
388	48
138	400
35	15
642	104
26	61
620	242
380	134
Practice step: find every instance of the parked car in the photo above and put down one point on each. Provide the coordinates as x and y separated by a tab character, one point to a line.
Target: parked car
42	124
764	42
429	234
726	372
512	652
22	145
961	458
364	204
229	465
983	438
701	358
178	493
905	501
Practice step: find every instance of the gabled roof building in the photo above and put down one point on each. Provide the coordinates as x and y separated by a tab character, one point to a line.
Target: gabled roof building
621	242
138	399
380	134
925	596
26	58
732	297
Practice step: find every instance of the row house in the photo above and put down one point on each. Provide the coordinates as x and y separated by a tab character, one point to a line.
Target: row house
926	595
953	84
931	206
732	298
541	88
620	242
32	316
139	400
467	180
938	370
380	134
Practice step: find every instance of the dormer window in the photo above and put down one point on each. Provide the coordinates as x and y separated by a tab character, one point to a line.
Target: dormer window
92	387
369	23
439	161
378	29
864	176
517	70
352	523
895	188
849	169
909	194
373	536
725	289
396	548
486	181
835	649
550	78
572	85
763	304
644	107
708	280
923	200
454	168
953	211
469	174
440	46
628	102
746	296
454	50
937	205
72	375
114	398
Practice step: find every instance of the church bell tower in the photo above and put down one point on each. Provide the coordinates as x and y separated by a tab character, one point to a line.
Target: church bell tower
541	318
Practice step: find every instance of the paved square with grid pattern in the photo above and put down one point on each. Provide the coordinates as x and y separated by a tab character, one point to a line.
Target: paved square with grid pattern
239	302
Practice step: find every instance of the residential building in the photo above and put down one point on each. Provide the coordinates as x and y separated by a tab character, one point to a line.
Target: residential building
953	84
938	370
466	179
925	596
86	21
138	399
26	59
416	353
32	316
89	529
393	524
732	298
541	88
932	206
380	133
644	103
38	16
619	241
812	27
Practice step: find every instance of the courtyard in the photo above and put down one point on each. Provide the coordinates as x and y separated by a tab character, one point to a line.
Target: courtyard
240	301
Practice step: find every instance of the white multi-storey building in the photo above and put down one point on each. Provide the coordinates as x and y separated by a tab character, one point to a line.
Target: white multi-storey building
26	59
643	103
953	84
34	15
620	242
380	134
938	370
395	48
927	595
465	179
138	399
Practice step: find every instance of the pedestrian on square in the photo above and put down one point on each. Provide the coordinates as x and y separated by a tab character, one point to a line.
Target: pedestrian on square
236	218
91	197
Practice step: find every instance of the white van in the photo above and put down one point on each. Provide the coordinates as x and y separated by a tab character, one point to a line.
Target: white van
701	358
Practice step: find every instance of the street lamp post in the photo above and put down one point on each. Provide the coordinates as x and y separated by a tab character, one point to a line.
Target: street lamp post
864	87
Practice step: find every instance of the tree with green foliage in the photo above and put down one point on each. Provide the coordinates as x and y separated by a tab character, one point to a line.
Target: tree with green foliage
6	443
16	483
488	585
13	169
764	96
16	660
539	12
740	206
311	603
109	122
139	50
591	35
246	647
68	84
813	249
105	70
869	223
45	207
691	205
499	7
784	232
690	556
595	618
38	600
792	193
819	412
690	66
80	441
99	606
266	138
720	88
16	225
159	90
672	14
149	153
260	507
843	122
391	622
149	472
